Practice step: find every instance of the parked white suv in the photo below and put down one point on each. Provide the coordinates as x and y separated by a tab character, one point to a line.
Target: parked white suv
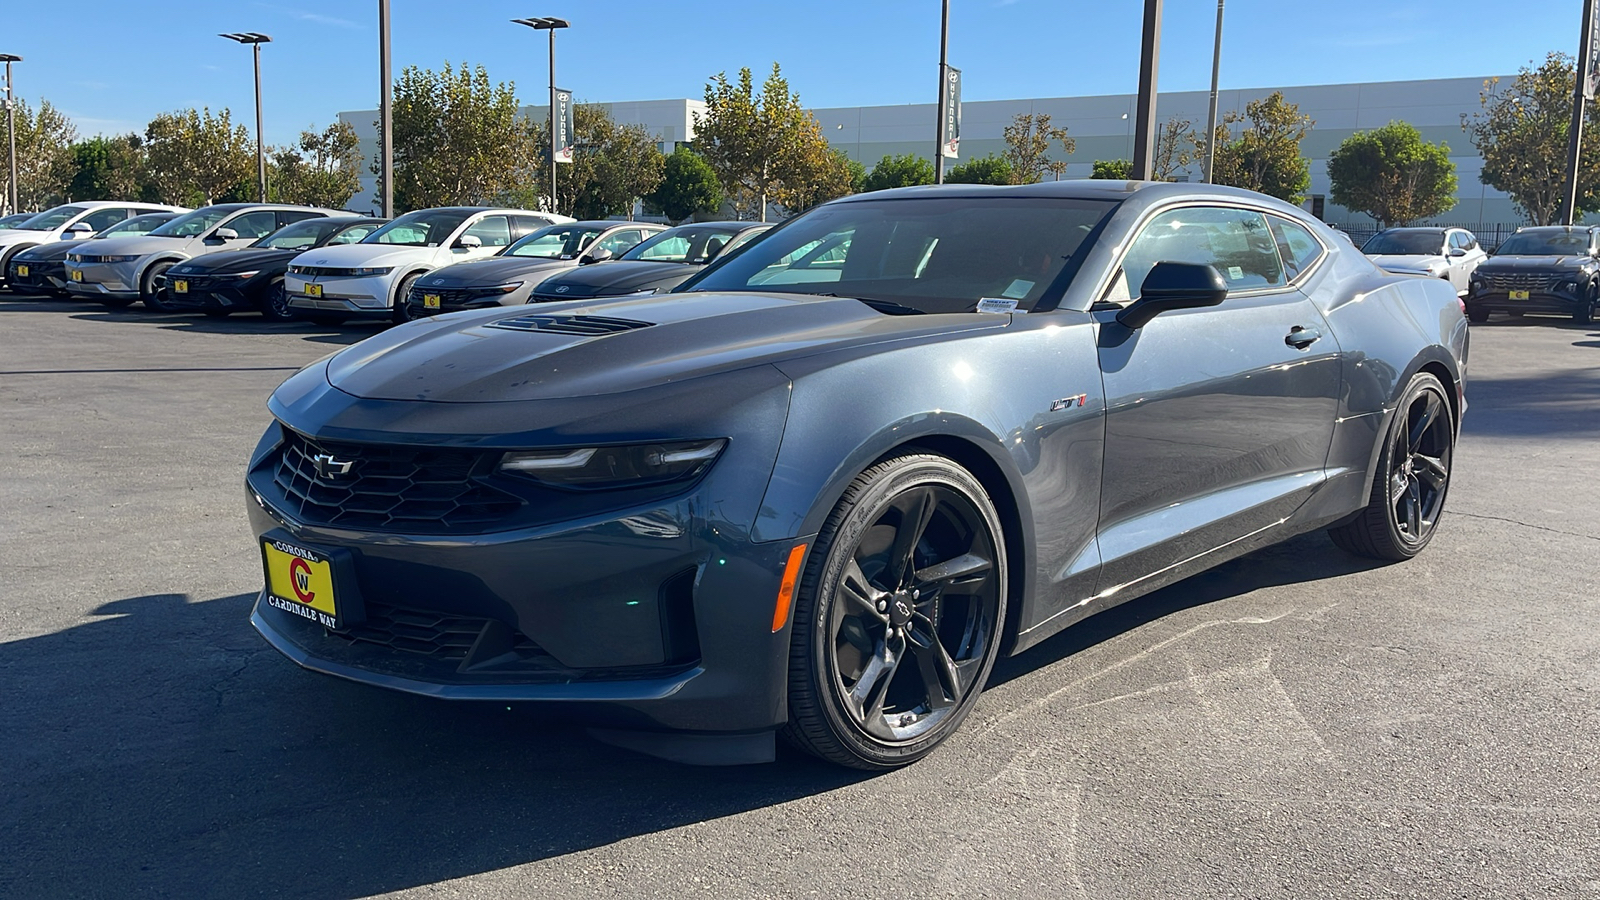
367	279
72	221
118	271
1449	253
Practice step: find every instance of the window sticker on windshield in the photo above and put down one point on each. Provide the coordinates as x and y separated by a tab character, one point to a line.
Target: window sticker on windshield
1235	273
997	305
1018	289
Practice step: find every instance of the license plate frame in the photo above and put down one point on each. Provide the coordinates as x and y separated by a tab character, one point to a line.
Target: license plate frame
77	274
1519	295
313	290
311	583
430	301
22	271
180	285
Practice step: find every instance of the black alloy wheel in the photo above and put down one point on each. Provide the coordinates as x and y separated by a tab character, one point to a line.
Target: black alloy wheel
155	297
899	618
1413	478
275	303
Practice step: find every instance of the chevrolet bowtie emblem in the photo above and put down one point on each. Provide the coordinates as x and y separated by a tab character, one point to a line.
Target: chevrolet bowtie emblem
329	467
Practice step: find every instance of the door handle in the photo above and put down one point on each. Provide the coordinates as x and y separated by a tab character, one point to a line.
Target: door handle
1301	337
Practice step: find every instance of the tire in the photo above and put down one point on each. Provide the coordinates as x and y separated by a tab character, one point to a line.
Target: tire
275	303
152	298
943	615
328	320
1477	314
401	313
1413	478
1585	314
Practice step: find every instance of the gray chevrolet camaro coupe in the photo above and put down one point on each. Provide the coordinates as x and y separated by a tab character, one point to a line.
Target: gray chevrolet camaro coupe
818	490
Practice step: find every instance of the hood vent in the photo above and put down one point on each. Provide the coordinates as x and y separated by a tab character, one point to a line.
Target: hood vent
588	326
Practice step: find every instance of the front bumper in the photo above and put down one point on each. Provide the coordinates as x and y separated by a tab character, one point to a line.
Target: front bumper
458	299
94	280
211	292
1537	302
41	276
367	296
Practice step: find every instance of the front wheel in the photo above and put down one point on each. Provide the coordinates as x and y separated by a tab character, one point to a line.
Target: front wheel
898	620
1413	477
275	303
1590	307
402	312
155	297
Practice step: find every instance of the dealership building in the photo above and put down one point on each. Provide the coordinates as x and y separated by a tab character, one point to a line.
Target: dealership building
1102	128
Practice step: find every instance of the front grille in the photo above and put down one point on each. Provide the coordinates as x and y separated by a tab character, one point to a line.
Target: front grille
589	326
449	297
417	490
433	634
36	274
326	271
1522	281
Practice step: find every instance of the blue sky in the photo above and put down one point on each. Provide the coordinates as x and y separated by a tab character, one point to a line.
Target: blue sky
114	65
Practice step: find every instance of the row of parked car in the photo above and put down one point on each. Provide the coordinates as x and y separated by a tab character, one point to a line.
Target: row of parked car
1552	269
326	265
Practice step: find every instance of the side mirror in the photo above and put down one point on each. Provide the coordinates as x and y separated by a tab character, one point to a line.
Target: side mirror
1174	285
81	228
1457	251
598	254
468	242
225	234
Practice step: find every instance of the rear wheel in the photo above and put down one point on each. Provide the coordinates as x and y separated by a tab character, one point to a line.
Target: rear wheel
1413	477
402	313
155	298
275	303
898	620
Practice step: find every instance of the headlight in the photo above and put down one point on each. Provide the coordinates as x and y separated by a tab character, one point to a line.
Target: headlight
371	270
1569	285
614	467
116	259
242	274
498	289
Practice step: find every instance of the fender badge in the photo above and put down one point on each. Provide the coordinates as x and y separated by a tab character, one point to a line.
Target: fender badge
1069	402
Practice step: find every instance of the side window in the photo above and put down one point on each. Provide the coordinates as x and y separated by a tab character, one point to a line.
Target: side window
673	249
494	231
1236	241
619	242
522	226
101	219
255	224
290	216
354	234
1300	251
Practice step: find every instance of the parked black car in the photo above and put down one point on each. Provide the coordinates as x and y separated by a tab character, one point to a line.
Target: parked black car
252	277
659	264
508	277
42	269
1548	269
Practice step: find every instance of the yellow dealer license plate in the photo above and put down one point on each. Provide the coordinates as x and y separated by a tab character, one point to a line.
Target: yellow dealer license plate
76	275
22	271
1519	295
300	581
430	301
179	286
313	290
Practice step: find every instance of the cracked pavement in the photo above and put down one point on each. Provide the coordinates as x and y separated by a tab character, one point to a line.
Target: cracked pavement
1296	723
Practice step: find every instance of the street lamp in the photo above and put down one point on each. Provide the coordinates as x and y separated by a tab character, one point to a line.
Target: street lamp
1211	118
11	126
549	24
256	39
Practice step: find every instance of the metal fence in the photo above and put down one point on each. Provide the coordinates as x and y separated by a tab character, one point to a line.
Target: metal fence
1489	234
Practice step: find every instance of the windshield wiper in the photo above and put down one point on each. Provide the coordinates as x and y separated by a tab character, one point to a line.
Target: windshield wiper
883	306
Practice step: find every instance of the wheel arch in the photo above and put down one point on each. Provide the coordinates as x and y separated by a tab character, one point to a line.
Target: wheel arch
415	270
157	259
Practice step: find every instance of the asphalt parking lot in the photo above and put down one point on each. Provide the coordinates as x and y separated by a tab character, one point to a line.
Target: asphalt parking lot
1297	723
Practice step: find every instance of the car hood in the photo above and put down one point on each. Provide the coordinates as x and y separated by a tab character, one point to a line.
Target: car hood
1525	263
246	260
483	356
1408	262
618	277
491	271
360	256
138	245
53	252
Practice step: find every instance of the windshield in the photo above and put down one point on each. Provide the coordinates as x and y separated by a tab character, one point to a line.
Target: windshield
1405	243
686	243
936	255
302	235
555	242
1561	243
14	220
191	224
423	228
137	224
51	219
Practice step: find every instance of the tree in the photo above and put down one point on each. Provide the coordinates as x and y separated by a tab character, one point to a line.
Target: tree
1392	175
858	176
322	169
1265	156
1028	140
110	168
766	146
195	158
1522	135
989	169
1175	144
688	188
1116	169
898	171
612	165
458	139
44	155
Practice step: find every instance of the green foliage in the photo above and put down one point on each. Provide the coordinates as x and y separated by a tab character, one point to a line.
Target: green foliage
1175	144
194	158
1392	175
612	165
1265	156
816	174
1522	135
905	170
1116	169
688	188
458	139
111	168
322	169
1028	140
989	169
44	156
858	176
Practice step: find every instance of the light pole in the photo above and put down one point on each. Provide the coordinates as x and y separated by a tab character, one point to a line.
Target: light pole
385	113
256	39
1144	126
11	127
1211	119
1583	90
938	106
549	24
